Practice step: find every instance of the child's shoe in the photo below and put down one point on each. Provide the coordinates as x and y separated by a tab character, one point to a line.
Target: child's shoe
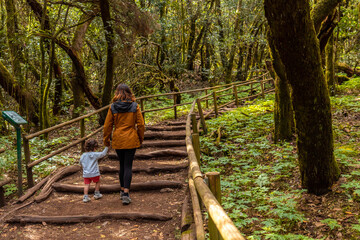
97	195
86	198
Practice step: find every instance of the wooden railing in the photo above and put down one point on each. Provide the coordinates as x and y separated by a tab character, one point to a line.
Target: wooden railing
219	224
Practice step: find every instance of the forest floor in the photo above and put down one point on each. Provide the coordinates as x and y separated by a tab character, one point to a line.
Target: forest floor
261	182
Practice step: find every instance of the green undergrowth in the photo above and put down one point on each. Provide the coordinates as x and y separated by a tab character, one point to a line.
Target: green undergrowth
167	101
260	180
351	86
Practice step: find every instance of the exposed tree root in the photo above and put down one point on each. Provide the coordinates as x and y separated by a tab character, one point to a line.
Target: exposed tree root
46	191
32	190
24	219
110	188
15	209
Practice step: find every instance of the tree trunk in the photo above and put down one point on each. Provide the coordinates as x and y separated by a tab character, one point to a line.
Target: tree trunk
283	110
9	84
80	71
13	40
321	10
162	11
330	70
239	74
229	68
59	86
343	67
110	41
77	46
193	18
223	49
38	11
295	39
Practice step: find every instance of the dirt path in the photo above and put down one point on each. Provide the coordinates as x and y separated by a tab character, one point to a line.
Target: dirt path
164	203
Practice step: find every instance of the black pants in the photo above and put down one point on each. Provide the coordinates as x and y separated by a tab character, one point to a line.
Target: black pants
126	157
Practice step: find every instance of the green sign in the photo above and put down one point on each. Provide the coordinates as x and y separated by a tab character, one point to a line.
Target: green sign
13	118
16	120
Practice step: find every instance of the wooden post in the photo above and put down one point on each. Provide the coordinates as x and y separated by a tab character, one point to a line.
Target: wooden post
175	113
29	173
142	108
262	88
202	119
214	185
82	134
251	91
196	205
207	101
196	145
236	96
2	198
194	123
215	104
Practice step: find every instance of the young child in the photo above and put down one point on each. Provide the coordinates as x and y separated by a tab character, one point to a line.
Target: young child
91	173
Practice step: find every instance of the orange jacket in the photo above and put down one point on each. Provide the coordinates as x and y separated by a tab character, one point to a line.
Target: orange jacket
129	126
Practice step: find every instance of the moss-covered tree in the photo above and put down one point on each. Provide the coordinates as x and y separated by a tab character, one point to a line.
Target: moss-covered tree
110	41
295	39
330	69
283	110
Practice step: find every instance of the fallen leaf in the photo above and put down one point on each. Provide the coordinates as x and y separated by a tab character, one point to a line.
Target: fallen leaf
102	236
319	224
75	229
44	223
337	209
349	213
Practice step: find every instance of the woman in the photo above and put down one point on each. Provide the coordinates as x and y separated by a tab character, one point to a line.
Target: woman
124	115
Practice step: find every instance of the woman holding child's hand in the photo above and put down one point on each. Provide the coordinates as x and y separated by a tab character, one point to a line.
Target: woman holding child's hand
126	124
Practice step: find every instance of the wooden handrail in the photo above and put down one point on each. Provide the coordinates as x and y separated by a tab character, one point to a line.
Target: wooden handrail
30	136
4	182
222	221
32	164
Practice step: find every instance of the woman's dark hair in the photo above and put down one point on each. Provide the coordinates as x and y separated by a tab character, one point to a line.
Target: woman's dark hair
123	93
90	145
